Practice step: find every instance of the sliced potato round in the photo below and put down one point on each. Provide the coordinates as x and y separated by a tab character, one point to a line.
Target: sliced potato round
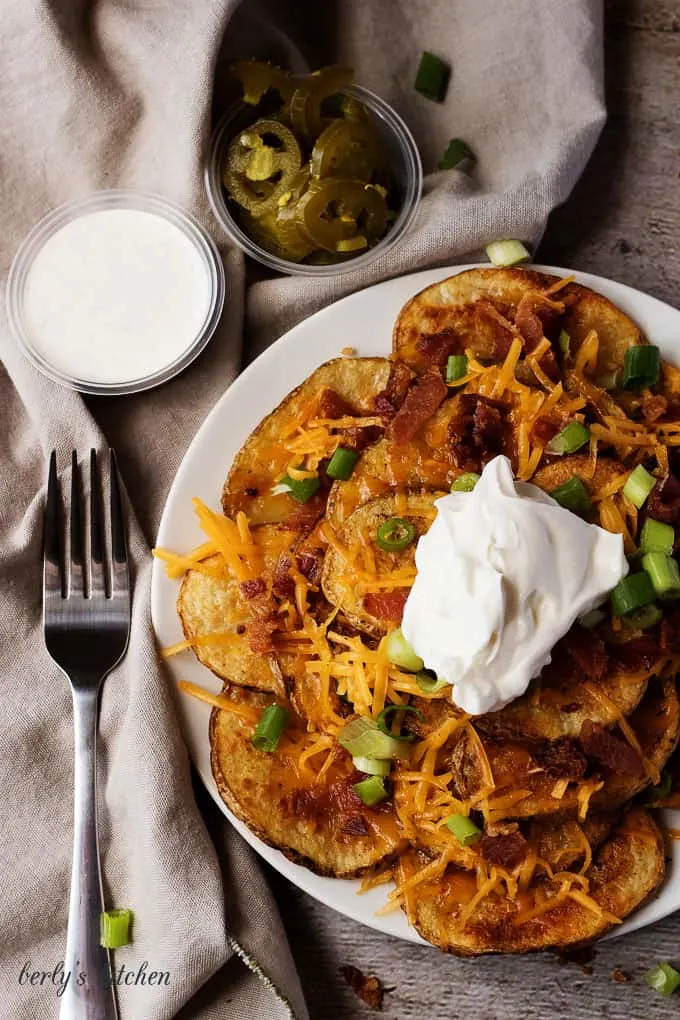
463	306
263	458
339	580
208	606
627	870
320	824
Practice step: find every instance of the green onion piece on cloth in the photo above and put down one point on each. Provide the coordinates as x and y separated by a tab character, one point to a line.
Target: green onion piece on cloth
114	928
432	77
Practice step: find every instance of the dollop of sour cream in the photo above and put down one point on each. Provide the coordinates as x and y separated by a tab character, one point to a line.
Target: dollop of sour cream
502	574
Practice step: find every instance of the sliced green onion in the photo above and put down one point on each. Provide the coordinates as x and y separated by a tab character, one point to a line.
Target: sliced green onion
632	593
301	489
572	437
430	684
664	789
280	488
664	573
371	791
565	343
390	710
341	464
645	617
372	766
506	253
593	618
466	482
573	495
456	152
395	534
465	830
638	486
641	367
663	978
362	738
456	367
657	537
270	728
114	928
399	652
432	78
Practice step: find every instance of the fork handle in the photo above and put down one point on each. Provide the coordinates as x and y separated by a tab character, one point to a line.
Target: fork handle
89	994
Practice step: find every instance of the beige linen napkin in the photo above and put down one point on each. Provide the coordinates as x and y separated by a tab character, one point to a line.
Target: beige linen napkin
117	93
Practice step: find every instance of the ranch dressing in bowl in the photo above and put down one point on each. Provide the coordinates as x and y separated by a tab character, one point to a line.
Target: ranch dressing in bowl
115	294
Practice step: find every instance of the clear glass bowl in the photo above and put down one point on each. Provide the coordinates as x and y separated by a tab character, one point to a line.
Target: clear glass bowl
115	199
405	166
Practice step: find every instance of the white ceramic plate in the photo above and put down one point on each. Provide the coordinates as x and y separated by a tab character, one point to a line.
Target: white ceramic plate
364	321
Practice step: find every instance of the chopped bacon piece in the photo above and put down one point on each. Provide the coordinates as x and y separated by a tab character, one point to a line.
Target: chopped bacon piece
260	633
420	404
612	753
588	651
664	501
505	850
639	653
545	428
398	383
654	406
355	825
359	438
282	582
386	605
251	589
502	334
367	987
384	406
332	405
305	516
529	323
477	431
438	347
310	564
560	758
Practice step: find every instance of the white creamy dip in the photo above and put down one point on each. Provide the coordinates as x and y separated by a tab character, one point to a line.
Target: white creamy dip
502	574
115	295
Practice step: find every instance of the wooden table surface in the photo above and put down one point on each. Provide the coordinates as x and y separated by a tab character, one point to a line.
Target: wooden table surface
622	221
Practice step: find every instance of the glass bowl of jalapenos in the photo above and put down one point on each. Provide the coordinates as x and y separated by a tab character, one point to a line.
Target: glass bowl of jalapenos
312	175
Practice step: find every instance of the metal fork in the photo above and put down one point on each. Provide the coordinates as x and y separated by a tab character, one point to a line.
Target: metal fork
86	609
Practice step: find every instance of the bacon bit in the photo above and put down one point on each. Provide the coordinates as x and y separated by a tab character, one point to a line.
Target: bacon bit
545	428
639	653
332	405
438	347
383	406
476	432
355	825
305	516
619	976
348	351
561	758
389	400
664	501
613	753
420	404
310	565
260	633
251	589
588	651
528	323
386	605
282	583
505	850
654	406
367	988
501	329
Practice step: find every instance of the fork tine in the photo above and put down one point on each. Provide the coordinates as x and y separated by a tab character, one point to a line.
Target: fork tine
97	576
76	579
120	575
52	561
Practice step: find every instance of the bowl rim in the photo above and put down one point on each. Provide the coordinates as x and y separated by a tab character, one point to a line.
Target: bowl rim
409	209
98	201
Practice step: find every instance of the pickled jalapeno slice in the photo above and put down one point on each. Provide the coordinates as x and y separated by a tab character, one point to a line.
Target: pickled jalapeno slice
261	163
334	210
305	104
258	77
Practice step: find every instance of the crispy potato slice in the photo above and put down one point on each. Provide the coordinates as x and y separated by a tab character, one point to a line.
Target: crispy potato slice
207	605
322	825
263	458
462	307
628	869
578	465
339	579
